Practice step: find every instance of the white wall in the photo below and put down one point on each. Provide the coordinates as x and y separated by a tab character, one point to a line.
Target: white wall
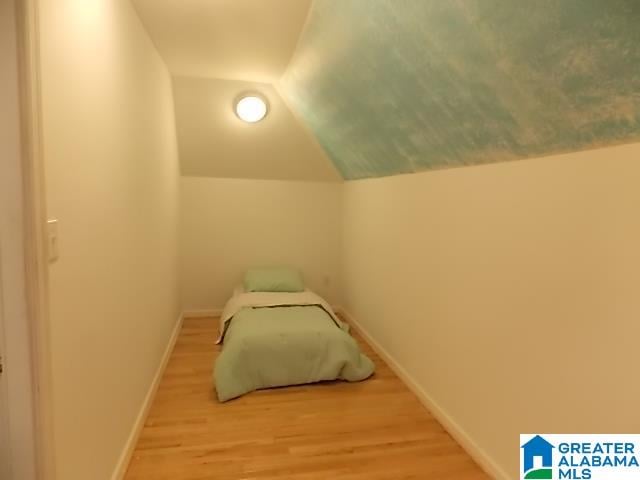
112	181
509	291
229	225
16	402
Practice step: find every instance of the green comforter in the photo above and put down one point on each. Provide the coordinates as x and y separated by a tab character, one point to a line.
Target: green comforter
288	345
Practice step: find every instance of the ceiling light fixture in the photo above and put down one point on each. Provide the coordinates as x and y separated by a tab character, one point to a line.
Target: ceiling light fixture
251	108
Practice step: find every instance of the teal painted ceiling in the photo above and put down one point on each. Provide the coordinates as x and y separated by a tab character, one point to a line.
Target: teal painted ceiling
400	86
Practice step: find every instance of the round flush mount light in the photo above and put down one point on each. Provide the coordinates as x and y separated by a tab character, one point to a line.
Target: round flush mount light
251	108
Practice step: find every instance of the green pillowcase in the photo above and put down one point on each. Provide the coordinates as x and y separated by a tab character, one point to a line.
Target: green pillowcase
273	280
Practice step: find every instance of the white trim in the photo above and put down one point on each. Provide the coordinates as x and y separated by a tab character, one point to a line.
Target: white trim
132	441
36	264
204	313
474	450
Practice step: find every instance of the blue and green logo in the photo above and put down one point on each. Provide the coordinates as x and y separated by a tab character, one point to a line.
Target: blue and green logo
537	459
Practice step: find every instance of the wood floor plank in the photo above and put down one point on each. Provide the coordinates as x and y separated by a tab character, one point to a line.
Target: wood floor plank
373	430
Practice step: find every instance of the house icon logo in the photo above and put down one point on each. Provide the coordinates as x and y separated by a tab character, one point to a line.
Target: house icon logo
537	459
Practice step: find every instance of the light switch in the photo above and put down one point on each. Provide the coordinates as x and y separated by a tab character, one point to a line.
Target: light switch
52	236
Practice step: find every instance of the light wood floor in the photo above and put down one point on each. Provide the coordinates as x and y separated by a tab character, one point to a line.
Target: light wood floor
372	430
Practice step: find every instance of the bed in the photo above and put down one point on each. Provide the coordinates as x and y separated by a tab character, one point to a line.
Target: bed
275	339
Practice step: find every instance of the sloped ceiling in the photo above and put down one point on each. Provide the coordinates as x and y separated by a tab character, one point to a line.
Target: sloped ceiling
214	142
392	87
216	50
248	40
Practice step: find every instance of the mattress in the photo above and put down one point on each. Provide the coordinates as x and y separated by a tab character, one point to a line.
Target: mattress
275	346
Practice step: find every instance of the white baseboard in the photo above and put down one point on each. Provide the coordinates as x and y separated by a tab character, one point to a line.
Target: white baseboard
130	446
204	313
450	425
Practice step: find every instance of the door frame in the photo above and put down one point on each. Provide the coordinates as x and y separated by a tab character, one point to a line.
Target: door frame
5	466
35	235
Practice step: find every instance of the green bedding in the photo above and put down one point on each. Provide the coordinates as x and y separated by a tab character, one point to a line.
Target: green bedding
291	345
